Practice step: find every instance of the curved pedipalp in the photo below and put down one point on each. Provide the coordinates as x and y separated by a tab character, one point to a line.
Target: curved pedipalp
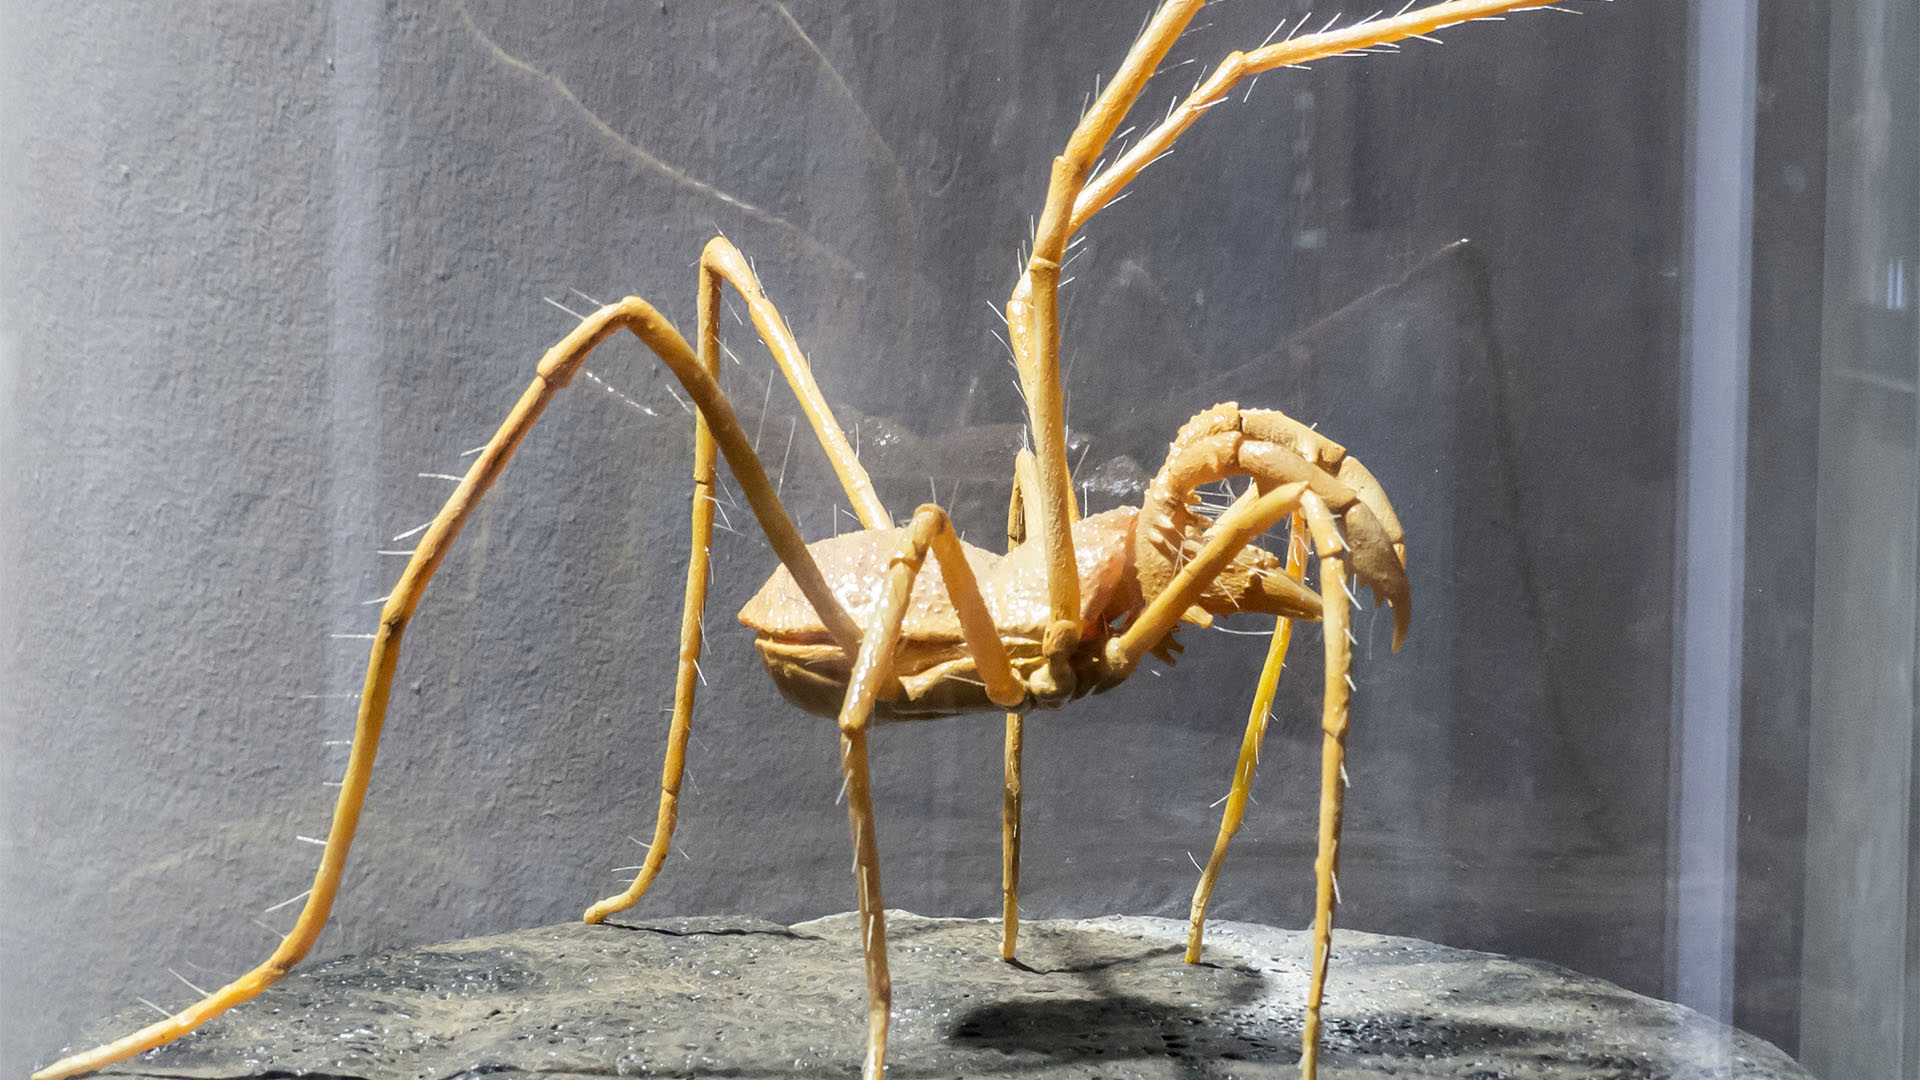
1374	558
1361	480
1274	449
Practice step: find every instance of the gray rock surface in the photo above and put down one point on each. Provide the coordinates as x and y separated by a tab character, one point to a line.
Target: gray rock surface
1104	998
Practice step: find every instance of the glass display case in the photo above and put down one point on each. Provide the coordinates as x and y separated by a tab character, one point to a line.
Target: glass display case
1619	308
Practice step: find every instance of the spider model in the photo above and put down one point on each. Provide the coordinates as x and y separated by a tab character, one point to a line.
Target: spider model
863	628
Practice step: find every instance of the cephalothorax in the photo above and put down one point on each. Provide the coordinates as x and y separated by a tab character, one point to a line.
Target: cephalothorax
1125	559
865	626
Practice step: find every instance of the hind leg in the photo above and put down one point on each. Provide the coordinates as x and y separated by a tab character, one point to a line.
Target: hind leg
556	368
722	262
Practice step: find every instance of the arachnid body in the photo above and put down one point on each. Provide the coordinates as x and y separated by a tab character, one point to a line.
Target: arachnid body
909	622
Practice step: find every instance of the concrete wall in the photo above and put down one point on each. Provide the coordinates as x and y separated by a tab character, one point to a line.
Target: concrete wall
264	265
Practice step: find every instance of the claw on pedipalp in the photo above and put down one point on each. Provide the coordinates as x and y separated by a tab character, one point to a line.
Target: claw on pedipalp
1378	562
1362	481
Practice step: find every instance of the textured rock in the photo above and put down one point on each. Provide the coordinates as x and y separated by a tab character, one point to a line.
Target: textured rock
1096	998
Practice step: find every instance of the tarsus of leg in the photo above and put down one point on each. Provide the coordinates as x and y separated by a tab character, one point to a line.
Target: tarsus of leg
1102	190
722	261
872	671
1025	488
1249	746
1335	617
1010	838
556	368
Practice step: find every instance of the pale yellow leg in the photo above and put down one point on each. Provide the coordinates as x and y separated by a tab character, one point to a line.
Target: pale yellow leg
872	671
1212	90
1010	839
1033	319
866	870
556	368
1335	621
1022	505
721	261
1074	196
1249	749
693	607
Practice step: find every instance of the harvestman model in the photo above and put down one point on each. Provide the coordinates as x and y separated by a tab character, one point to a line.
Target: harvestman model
862	627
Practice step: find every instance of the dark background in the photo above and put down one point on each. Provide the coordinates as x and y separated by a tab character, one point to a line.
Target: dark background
265	265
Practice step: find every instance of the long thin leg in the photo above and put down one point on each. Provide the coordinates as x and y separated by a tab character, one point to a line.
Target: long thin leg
556	368
929	531
692	611
1335	616
719	262
1010	838
722	261
1101	191
1249	747
1073	197
1026	486
866	870
1033	313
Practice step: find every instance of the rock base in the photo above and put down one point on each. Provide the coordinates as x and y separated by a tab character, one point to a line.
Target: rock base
1106	998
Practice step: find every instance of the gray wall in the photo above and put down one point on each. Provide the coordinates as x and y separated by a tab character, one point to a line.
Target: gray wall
264	265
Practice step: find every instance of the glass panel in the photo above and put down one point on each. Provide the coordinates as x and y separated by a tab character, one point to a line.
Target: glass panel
1859	997
265	280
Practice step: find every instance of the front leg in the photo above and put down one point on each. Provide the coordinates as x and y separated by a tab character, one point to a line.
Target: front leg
1335	616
